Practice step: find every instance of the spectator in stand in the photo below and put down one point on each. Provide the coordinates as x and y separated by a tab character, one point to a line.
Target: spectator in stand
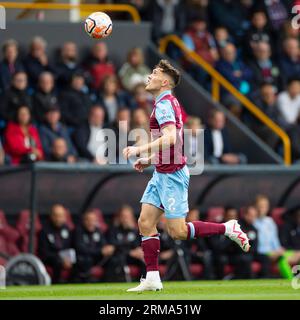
294	134
60	152
267	102
289	102
142	98
44	98
194	148
234	15
167	17
288	31
222	37
22	141
259	31
75	102
200	7
112	98
37	60
269	246
217	143
52	129
89	138
121	128
263	67
99	66
15	96
234	70
2	154
140	121
10	63
134	71
67	65
91	247
125	237
290	61
55	240
290	233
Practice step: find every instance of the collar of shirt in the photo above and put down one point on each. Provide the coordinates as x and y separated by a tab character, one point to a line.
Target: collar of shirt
163	94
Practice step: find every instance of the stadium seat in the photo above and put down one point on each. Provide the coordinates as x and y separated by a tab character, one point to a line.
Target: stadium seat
23	226
70	222
276	214
215	214
196	269
9	237
134	271
97	272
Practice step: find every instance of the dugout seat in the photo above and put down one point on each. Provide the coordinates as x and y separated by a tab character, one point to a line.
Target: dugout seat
9	237
277	214
70	222
215	214
23	226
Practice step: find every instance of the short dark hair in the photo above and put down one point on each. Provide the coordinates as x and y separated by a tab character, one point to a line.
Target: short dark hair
171	71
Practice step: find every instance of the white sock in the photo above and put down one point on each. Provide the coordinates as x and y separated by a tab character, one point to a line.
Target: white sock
153	276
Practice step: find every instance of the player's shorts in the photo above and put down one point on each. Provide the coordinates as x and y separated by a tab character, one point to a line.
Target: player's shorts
169	192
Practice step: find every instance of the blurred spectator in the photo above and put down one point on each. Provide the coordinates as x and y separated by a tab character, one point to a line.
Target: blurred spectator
10	63
167	17
290	233
294	134
60	152
112	98
2	154
99	65
134	71
193	140
290	61
231	14
22	141
121	128
198	7
198	248
37	60
142	98
258	32
125	237
44	98
91	247
234	70
52	129
15	96
67	65
75	102
89	138
55	241
217	143
263	67
140	122
288	31
289	102
222	37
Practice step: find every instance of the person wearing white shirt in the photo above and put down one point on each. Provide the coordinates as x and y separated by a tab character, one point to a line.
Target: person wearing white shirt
289	102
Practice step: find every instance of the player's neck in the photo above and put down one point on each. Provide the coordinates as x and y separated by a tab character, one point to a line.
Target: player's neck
161	93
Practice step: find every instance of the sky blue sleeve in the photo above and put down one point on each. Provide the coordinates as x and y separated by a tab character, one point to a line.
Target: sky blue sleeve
164	113
188	41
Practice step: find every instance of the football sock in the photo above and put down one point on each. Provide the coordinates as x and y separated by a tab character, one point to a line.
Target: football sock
198	229
151	249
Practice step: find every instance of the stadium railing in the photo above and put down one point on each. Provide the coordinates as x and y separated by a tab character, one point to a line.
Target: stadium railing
132	11
219	81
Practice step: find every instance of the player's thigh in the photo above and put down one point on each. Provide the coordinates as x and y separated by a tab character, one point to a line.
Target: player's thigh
149	218
177	228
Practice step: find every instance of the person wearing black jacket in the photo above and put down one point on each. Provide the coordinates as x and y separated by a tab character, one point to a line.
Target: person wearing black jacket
54	238
15	97
75	102
91	246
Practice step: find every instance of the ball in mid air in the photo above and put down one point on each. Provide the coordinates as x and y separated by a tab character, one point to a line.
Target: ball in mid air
98	25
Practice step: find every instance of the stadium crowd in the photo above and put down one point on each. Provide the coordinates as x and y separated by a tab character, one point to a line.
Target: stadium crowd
107	248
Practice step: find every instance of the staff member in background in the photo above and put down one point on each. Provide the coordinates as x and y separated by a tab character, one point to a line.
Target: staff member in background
91	247
55	238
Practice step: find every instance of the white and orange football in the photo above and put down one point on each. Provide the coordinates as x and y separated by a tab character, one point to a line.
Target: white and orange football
98	25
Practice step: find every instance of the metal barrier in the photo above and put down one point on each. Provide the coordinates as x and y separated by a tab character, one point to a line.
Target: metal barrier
218	80
85	7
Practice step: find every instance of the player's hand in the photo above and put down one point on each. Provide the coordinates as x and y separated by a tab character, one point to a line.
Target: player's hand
141	164
131	152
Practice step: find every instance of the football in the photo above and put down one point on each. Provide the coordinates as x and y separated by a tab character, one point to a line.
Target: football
98	25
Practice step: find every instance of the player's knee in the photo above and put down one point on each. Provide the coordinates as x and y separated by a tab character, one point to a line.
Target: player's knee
144	226
177	234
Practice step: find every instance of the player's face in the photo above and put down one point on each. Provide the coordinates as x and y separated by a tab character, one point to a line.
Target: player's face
155	80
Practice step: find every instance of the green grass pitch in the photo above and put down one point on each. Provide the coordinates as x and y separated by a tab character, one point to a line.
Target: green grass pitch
194	290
